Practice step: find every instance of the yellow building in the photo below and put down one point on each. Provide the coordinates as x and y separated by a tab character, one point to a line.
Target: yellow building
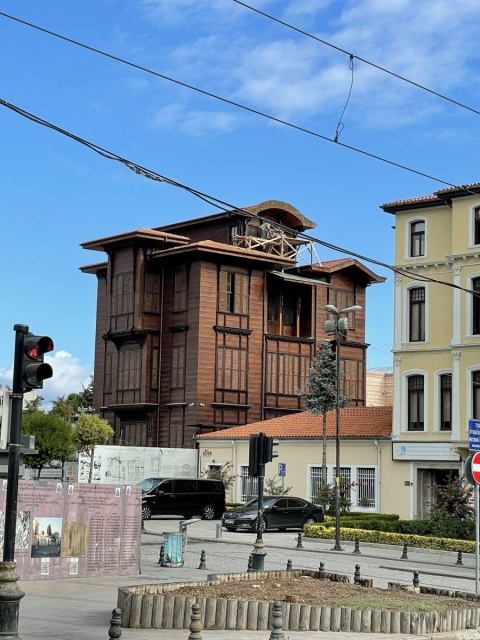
366	460
436	337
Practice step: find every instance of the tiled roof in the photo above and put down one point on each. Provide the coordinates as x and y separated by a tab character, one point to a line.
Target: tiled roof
355	422
436	198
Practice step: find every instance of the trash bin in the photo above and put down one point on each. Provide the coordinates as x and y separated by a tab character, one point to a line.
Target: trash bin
172	549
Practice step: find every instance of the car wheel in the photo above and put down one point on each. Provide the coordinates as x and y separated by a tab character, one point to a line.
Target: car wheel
208	512
310	520
146	512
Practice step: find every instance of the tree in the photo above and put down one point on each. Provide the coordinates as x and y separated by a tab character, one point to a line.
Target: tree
321	394
53	438
223	473
34	406
90	431
70	406
273	487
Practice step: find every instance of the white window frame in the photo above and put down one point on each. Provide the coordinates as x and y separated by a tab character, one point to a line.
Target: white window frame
471	225
406	313
331	468
404	421
408	237
469	307
242	478
469	395
437	400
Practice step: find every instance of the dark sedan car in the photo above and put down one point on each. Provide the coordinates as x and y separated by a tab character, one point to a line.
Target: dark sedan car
279	512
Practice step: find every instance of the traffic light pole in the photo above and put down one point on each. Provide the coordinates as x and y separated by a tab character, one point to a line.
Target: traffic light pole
259	553
10	594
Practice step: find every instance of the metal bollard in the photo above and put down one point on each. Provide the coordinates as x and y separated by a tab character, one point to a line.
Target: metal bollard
459	559
115	630
321	568
250	563
277	622
203	564
299	542
356	575
218	530
404	554
289	565
195	623
161	557
357	546
416	581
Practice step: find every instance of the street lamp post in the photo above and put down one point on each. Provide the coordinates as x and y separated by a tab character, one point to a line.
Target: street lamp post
338	327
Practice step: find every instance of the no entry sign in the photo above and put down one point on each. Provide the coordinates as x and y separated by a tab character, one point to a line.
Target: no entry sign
476	467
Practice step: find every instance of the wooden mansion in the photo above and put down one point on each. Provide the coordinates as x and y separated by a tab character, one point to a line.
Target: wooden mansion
212	322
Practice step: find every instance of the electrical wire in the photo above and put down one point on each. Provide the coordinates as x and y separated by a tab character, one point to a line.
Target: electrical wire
340	125
220	204
364	60
233	103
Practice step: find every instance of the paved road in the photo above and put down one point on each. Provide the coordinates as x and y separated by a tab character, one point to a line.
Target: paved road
79	608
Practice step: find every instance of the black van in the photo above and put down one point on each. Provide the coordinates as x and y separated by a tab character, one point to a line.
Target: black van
185	497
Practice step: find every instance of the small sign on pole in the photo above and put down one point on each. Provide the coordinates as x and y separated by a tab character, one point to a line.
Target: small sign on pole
474	435
282	469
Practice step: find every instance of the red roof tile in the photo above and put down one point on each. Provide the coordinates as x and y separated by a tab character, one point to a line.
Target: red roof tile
355	422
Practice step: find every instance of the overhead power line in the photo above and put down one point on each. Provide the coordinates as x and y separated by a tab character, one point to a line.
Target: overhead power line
233	103
220	204
364	60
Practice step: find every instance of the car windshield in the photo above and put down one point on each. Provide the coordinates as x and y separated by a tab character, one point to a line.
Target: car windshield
147	484
253	503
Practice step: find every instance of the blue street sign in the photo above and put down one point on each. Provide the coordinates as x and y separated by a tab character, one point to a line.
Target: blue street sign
282	467
474	435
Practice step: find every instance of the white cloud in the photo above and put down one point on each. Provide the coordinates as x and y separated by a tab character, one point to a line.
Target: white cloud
236	53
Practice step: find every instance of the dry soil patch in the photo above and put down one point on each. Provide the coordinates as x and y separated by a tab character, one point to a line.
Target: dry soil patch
308	590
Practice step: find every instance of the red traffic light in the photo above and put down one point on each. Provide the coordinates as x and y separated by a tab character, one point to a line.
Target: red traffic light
34	369
36	346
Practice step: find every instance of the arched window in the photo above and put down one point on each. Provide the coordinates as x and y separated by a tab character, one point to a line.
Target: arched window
416	409
476	306
416	327
476	395
446	402
417	239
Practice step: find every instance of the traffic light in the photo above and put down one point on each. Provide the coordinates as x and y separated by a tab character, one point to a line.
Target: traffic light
269	452
34	369
254	457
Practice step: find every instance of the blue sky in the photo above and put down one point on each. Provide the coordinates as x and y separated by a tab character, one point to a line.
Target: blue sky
56	193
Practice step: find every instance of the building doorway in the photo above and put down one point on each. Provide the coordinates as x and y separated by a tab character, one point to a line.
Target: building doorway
426	480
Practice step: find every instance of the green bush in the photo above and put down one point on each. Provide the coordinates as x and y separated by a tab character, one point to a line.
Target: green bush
369	516
417	527
382	537
370	524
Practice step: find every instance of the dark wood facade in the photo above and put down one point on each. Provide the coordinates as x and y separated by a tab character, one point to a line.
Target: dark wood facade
198	329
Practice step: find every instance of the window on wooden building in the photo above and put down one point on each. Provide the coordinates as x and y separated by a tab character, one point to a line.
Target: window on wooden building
415	403
286	373
231	368
122	294
416	314
446	402
152	293
129	366
178	367
289	309
233	292
180	288
352	382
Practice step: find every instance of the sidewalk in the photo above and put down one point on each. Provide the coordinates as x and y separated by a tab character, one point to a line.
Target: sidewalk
79	608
